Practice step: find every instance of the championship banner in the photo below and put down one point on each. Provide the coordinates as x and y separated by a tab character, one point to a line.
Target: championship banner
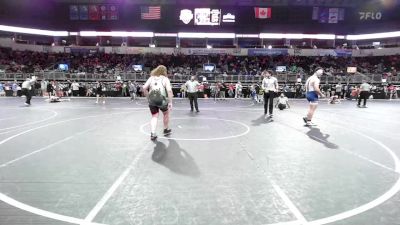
83	12
73	12
328	15
333	15
103	12
94	12
262	52
113	12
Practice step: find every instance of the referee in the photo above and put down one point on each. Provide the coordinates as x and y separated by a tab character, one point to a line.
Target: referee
270	87
26	89
365	88
192	88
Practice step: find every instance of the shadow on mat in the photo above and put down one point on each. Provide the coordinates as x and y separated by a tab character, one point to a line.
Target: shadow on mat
260	121
316	135
175	159
192	114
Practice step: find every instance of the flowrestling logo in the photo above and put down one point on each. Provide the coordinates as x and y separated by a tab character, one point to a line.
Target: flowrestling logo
370	15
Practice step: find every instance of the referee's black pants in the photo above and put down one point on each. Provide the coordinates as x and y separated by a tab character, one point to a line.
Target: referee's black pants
363	96
269	102
193	98
28	95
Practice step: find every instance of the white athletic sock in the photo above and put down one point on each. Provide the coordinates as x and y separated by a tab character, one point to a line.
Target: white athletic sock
153	124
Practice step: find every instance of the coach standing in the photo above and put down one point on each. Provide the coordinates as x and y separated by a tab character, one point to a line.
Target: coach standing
192	86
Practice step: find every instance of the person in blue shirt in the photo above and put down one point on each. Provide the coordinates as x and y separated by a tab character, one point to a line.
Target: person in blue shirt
2	93
14	88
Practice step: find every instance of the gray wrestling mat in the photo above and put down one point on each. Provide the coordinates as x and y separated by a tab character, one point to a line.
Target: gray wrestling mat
81	163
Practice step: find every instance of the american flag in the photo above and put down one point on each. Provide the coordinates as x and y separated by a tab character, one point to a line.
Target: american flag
150	12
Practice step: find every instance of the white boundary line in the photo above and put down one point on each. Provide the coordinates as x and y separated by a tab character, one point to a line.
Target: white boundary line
295	211
348	151
372	204
201	139
44	148
55	123
40	121
8	118
38	211
41	212
369	160
93	213
294	222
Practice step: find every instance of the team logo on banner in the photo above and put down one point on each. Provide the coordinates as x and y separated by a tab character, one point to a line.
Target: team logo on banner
186	16
228	18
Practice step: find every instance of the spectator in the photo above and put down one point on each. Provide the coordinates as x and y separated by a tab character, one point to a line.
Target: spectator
238	90
75	88
2	92
132	90
183	90
15	88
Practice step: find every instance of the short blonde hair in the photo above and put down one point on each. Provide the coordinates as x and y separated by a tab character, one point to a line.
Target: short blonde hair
160	70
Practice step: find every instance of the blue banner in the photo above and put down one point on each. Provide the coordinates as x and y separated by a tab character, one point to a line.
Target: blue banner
73	12
263	51
83	12
81	50
343	52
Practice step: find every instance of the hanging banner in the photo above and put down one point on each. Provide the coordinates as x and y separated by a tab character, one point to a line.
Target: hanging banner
263	51
343	52
206	51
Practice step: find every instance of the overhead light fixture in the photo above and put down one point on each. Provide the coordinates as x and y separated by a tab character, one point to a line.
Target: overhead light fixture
247	35
165	34
297	36
73	33
373	36
206	35
209	46
115	34
33	31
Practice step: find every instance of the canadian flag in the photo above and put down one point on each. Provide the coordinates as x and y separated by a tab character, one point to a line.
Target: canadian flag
262	13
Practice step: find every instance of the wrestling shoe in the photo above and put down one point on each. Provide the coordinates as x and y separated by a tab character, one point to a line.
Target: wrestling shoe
167	132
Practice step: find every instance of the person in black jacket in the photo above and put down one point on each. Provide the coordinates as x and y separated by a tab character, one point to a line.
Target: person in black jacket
50	89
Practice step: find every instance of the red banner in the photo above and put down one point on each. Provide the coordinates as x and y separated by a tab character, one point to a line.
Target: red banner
94	12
